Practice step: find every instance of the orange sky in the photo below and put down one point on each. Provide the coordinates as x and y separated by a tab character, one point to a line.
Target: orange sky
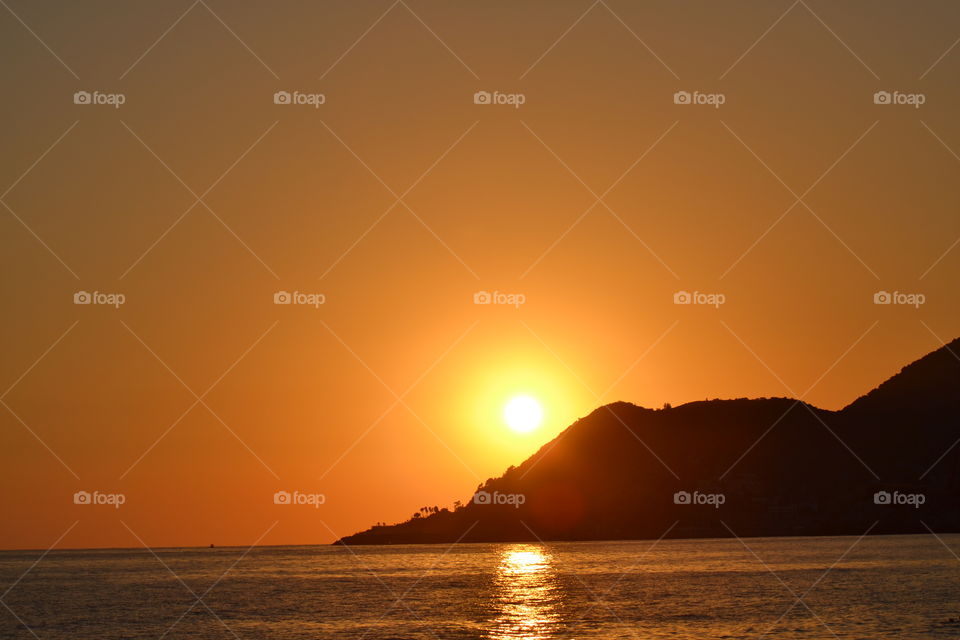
398	199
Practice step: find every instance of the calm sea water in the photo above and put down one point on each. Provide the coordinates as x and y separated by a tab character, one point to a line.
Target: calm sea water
885	587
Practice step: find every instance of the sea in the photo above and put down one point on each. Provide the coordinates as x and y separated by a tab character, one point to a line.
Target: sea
900	587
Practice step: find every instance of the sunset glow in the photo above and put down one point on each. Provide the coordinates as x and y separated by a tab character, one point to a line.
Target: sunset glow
523	414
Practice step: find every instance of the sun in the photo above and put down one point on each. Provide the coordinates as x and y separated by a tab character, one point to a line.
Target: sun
523	414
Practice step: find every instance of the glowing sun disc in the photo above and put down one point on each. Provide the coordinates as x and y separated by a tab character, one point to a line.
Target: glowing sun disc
523	414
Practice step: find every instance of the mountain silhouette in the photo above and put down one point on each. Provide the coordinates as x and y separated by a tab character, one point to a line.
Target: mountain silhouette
886	463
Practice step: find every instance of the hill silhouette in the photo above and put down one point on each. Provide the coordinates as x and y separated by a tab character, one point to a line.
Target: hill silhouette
753	467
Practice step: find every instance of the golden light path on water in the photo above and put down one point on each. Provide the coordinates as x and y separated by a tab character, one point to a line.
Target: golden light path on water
527	595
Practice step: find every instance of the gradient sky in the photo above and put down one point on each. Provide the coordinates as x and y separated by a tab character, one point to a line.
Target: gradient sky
399	198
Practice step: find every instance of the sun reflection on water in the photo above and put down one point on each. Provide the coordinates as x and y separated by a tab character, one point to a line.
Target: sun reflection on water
526	595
